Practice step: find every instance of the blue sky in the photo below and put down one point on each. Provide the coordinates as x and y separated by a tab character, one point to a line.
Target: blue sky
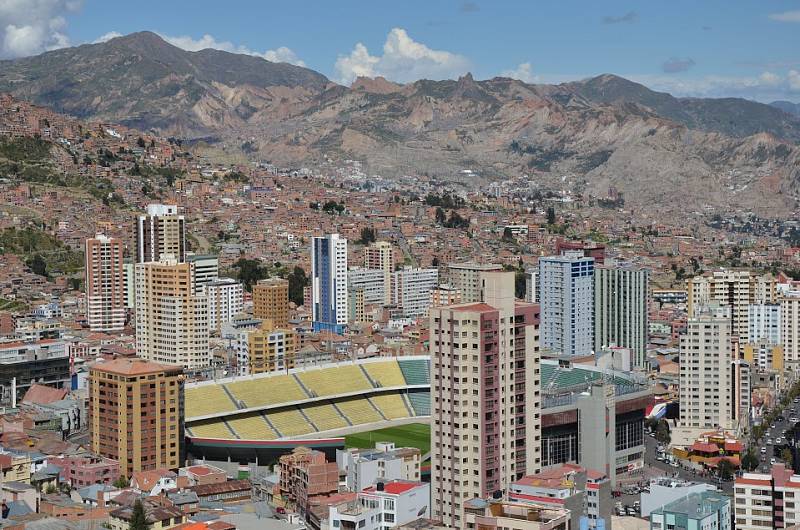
701	48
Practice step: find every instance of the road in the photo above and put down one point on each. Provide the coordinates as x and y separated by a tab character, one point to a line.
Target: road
665	470
775	430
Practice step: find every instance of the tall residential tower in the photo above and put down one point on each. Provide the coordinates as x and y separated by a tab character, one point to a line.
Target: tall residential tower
329	283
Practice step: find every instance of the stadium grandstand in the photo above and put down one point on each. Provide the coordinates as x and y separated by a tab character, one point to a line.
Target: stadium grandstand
265	415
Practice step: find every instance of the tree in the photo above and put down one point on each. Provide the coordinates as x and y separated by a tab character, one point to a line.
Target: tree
725	469
367	235
551	216
297	281
121	482
441	217
749	460
138	517
662	432
786	456
140	142
250	272
508	235
37	265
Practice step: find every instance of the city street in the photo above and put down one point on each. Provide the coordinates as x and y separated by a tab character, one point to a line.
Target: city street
771	434
666	470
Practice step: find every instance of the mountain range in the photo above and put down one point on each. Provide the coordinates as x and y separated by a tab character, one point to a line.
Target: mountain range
589	135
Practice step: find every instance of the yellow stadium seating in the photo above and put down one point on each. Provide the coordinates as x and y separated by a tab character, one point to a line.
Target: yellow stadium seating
207	399
212	429
324	416
391	405
348	378
290	422
358	411
385	373
267	390
252	427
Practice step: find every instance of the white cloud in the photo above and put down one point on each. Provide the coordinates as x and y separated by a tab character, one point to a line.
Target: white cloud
29	27
793	78
107	37
283	55
767	86
786	16
403	60
280	55
523	72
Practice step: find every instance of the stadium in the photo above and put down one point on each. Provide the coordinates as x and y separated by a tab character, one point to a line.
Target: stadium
260	417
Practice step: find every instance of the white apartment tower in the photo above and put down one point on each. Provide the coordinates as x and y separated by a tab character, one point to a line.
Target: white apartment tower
411	290
161	232
707	394
105	284
329	283
171	319
225	300
485	406
764	321
736	289
566	295
620	309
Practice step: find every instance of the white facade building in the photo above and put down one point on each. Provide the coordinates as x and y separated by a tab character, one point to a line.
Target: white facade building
765	323
370	281
411	290
225	300
566	286
620	309
329	283
383	506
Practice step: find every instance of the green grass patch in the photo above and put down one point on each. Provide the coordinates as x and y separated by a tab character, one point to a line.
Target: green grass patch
411	435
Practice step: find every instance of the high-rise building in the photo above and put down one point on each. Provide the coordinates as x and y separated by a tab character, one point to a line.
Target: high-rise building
130	284
380	255
411	290
566	291
161	232
764	355
105	284
371	282
764	322
742	392
486	428
620	309
735	289
225	298
706	387
466	278
790	328
171	319
206	270
532	285
329	283
267	349
271	301
136	414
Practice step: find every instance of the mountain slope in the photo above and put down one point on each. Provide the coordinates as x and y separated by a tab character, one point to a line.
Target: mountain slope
143	81
731	116
664	153
787	106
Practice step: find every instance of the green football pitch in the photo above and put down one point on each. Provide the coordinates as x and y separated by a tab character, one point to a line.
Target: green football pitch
411	435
